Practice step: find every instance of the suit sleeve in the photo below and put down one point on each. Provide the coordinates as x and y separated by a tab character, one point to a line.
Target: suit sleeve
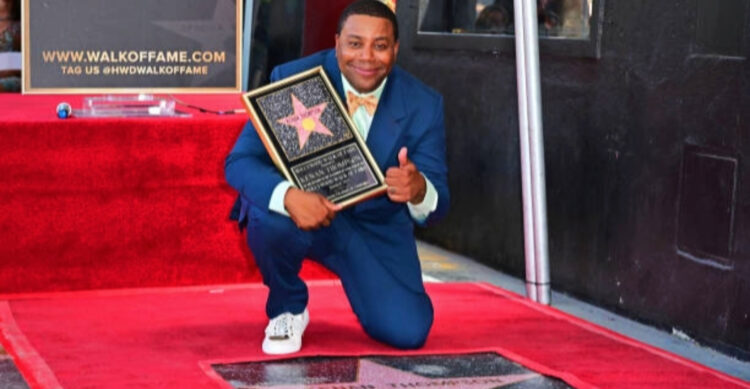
248	167
428	154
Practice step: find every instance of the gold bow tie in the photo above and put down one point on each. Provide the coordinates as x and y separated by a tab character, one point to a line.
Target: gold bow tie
353	102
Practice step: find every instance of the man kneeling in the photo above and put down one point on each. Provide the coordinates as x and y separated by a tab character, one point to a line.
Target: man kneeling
370	246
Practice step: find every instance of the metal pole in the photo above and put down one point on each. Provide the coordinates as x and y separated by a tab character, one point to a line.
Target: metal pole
532	152
523	136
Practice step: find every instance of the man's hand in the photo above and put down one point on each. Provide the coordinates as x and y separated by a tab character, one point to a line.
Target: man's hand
405	183
309	210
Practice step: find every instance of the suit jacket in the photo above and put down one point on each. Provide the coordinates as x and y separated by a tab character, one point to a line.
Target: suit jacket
408	114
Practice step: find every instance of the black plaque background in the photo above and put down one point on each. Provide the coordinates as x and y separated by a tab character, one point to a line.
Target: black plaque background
358	175
300	160
106	25
310	91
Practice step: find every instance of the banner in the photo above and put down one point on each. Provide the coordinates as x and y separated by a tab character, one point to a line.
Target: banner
136	46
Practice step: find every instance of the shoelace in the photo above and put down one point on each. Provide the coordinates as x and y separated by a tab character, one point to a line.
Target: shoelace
282	327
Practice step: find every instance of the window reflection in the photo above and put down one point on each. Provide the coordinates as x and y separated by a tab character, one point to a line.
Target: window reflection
557	18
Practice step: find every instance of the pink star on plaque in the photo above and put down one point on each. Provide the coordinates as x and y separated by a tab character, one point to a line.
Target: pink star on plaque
306	120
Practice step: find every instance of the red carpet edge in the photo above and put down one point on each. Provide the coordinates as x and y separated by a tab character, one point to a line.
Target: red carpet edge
612	335
31	365
39	375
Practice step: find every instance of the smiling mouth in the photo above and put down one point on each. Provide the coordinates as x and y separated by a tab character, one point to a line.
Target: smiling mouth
365	72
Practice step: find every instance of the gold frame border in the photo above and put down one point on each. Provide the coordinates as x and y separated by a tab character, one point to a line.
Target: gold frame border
26	70
276	158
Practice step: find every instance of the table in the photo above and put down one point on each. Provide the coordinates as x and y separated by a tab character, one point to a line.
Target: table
117	202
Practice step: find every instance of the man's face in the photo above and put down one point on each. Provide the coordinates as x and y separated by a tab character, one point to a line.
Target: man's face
366	51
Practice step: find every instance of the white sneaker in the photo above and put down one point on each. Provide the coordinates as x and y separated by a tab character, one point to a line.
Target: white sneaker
284	333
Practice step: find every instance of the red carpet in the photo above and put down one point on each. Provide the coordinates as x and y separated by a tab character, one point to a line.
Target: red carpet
114	203
167	338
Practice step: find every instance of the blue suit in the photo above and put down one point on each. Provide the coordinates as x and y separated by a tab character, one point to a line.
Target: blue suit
371	245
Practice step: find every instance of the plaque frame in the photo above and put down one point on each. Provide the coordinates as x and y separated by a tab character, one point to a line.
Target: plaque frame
280	157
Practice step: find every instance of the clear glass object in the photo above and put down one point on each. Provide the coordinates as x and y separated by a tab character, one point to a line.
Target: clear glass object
141	105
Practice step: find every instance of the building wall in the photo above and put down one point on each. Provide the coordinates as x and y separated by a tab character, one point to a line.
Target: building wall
648	183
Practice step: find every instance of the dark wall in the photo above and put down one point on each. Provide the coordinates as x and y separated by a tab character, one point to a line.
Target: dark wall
287	29
647	147
277	37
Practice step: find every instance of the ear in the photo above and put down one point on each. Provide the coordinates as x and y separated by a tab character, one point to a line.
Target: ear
395	50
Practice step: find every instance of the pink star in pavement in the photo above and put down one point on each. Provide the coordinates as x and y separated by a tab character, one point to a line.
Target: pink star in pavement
306	120
377	376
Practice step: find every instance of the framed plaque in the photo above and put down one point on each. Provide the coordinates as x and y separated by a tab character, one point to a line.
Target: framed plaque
312	140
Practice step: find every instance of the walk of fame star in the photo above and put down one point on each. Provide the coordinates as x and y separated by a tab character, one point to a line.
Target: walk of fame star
306	120
374	375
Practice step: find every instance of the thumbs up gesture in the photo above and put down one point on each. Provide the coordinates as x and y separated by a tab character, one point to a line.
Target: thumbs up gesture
405	183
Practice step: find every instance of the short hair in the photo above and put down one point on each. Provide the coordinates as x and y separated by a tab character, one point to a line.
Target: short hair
374	8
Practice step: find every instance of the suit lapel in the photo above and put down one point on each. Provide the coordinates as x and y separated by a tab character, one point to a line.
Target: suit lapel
331	67
387	123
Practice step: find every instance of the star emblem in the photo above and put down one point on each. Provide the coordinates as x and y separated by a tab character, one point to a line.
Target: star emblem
306	120
375	375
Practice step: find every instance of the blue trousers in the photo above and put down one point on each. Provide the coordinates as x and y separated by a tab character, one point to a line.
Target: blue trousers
390	309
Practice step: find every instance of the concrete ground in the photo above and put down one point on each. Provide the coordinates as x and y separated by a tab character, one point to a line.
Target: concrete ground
439	265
